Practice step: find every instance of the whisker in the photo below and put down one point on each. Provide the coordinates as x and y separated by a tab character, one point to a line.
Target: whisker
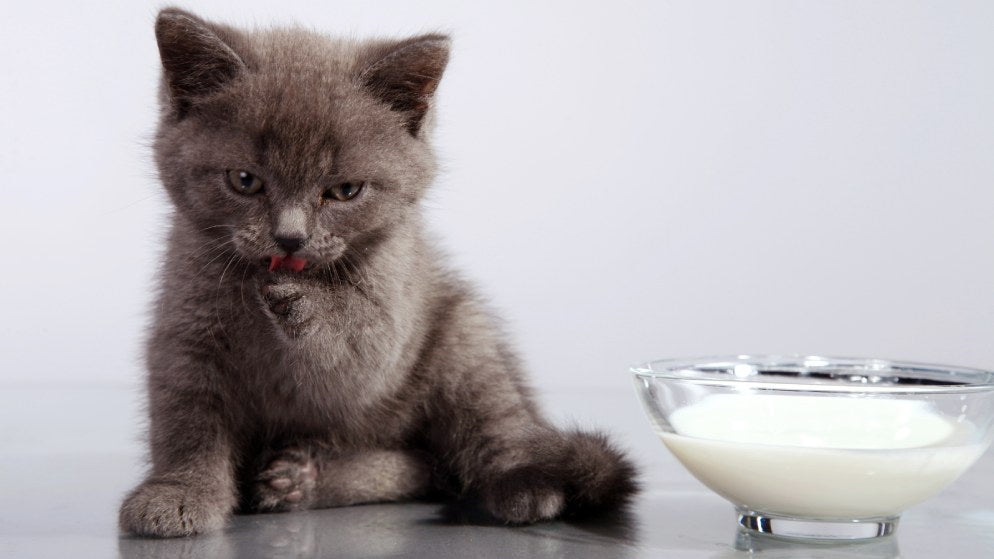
217	292
241	284
218	225
351	269
210	247
222	253
346	277
215	241
234	256
363	274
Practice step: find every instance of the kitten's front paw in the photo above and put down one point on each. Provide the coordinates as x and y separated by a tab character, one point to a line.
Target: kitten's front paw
523	496
171	509
287	483
290	307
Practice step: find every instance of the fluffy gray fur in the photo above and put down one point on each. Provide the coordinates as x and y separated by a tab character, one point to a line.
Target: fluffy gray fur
375	373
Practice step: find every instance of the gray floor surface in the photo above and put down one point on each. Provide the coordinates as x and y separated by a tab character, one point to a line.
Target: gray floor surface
69	453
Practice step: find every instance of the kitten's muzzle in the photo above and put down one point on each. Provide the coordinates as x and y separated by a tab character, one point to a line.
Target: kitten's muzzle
290	244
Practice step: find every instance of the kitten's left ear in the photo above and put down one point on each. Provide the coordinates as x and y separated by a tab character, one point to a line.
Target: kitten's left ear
406	74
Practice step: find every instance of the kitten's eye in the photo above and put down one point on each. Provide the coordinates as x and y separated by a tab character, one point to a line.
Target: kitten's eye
244	182
343	191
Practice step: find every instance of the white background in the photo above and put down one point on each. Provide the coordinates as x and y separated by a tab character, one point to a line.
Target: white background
625	180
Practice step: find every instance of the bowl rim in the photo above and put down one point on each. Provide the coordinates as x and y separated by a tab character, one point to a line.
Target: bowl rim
967	379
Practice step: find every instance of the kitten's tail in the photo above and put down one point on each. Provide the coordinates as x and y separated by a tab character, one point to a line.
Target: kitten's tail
598	476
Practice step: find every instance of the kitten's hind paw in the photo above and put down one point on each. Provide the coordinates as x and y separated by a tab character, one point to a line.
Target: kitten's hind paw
523	496
287	483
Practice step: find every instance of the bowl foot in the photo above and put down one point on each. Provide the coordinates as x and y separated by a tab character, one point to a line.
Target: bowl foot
816	530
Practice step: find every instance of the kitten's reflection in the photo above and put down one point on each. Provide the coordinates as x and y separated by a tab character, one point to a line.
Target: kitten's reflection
353	532
401	530
213	545
614	534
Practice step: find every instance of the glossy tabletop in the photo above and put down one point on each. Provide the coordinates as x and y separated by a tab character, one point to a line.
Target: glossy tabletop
68	455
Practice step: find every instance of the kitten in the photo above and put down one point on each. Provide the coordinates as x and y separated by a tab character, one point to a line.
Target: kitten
310	349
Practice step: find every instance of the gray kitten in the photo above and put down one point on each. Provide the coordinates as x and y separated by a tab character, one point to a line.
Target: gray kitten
310	348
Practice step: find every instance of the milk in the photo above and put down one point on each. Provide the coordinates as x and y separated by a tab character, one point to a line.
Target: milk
821	457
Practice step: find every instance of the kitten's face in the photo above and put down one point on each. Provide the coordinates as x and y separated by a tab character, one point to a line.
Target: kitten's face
301	171
297	148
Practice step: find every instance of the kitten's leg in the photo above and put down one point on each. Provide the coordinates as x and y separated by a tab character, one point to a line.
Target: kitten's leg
190	488
298	478
486	428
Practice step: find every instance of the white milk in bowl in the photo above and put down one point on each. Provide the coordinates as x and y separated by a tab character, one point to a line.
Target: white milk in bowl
820	457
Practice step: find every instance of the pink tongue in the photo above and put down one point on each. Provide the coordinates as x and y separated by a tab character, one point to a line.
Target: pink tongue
289	262
295	264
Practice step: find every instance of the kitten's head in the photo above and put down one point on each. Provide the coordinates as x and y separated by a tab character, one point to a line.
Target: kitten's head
288	142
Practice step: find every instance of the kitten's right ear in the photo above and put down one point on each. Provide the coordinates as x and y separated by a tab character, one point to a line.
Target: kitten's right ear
195	59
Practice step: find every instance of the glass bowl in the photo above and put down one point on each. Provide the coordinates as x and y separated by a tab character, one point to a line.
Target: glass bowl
819	448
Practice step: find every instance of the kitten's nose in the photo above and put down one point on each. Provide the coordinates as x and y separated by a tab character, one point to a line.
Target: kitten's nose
290	244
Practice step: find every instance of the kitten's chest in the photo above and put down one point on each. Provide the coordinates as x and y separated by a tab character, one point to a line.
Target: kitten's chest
341	382
313	378
289	400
